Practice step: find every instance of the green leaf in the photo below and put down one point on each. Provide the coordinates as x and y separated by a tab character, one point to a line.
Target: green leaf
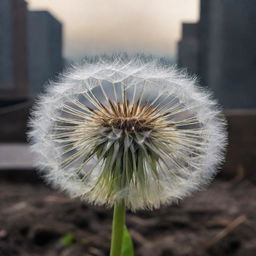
68	239
127	245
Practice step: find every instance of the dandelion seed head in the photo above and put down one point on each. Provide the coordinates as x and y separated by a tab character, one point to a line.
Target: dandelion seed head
126	129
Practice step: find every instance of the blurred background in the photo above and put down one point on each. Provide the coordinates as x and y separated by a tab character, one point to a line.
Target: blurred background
214	39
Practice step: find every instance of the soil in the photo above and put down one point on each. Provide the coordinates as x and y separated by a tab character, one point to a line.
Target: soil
35	220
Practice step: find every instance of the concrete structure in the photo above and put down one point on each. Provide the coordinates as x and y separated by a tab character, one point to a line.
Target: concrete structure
45	49
240	157
226	56
16	156
13	50
13	121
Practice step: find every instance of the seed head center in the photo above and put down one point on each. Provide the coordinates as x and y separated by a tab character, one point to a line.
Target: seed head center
130	124
127	117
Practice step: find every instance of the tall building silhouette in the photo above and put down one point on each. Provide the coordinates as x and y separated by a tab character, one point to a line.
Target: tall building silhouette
13	50
188	48
45	49
30	54
221	50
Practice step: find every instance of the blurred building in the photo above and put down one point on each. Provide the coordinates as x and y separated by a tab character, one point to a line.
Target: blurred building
188	47
13	51
221	49
45	49
30	55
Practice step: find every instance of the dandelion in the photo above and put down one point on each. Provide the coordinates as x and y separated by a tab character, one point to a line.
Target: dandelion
127	133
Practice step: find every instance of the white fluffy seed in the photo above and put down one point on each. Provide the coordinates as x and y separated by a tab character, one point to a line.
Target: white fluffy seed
127	130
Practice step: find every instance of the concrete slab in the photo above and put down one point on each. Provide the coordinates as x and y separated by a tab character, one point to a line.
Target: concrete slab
15	156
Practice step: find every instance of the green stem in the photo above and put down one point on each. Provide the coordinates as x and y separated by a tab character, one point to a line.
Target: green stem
117	229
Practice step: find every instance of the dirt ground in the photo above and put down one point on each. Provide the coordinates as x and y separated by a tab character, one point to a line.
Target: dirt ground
35	220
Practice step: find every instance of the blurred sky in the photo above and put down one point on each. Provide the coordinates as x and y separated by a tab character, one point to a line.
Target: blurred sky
96	26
